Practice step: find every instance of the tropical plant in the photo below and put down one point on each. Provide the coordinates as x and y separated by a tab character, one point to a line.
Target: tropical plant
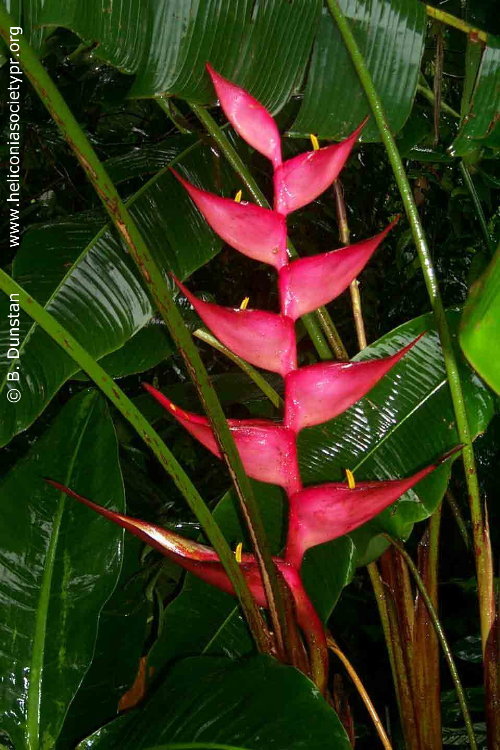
107	642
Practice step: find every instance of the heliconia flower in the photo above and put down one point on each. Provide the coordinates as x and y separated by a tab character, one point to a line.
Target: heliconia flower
264	339
256	232
320	514
307	283
203	562
302	179
317	393
268	450
248	117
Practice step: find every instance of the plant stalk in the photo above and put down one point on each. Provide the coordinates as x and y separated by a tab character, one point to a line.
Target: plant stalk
252	373
469	183
159	289
441	637
333	646
483	553
456	23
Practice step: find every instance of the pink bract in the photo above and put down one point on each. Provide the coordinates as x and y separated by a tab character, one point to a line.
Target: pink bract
267	449
302	179
256	232
307	283
248	117
317	393
320	514
264	339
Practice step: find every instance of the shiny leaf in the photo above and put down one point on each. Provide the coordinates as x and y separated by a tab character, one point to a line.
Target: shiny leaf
202	698
81	273
259	45
390	34
59	566
480	124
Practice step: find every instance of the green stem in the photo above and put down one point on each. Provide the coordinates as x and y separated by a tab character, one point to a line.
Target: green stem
477	205
168	107
252	373
140	424
469	183
313	322
441	637
431	97
160	291
483	556
456	23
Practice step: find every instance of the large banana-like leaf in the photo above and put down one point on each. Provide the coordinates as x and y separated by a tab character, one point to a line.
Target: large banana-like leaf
257	704
390	34
263	46
81	272
58	566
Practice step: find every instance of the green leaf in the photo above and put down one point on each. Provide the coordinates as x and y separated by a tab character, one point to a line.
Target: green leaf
403	424
59	565
119	646
390	34
480	326
257	703
480	124
147	348
90	285
260	45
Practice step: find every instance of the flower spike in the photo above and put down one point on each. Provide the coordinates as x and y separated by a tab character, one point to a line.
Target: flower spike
317	393
256	232
268	450
302	179
307	283
264	339
249	118
320	514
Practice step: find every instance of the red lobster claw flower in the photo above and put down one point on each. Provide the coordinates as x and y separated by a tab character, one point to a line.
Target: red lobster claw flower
256	232
302	179
248	117
320	514
262	338
268	450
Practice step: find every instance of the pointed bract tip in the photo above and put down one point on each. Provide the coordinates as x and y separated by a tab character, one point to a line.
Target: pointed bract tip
450	453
